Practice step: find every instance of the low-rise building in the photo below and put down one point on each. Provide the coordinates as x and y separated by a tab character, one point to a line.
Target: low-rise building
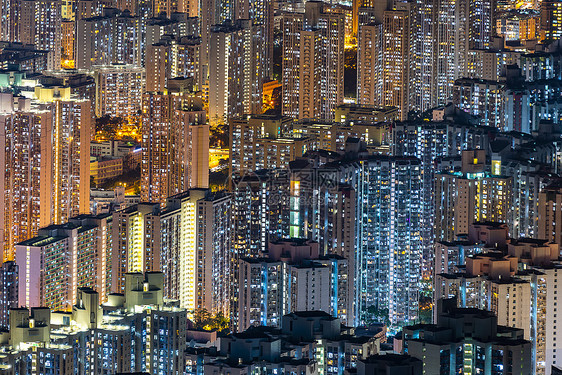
469	341
103	169
308	342
134	332
293	277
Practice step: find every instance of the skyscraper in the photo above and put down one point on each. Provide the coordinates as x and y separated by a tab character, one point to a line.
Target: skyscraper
72	127
189	239
473	195
38	22
235	70
369	64
27	175
171	58
313	44
551	20
550	213
388	235
109	39
260	13
399	59
61	259
9	280
175	155
46	154
119	90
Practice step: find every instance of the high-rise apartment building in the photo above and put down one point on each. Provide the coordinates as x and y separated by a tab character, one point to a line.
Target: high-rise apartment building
7	25
72	131
425	29
245	133
109	39
365	209
451	256
451	47
370	64
171	58
38	22
136	242
211	13
551	20
175	6
175	153
470	196
362	208
396	56
279	152
257	218
446	136
214	250
261	14
297	279
119	90
398	59
27	175
313	44
481	98
481	23
518	26
189	240
92	8
388	234
46	154
414	52
27	329
425	143
550	213
137	331
371	125
178	25
394	49
292	24
82	86
519	286
260	215
9	280
529	180
235	70
196	250
467	339
63	258
68	29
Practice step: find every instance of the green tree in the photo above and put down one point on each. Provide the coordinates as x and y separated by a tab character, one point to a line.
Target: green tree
375	315
201	318
220	322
